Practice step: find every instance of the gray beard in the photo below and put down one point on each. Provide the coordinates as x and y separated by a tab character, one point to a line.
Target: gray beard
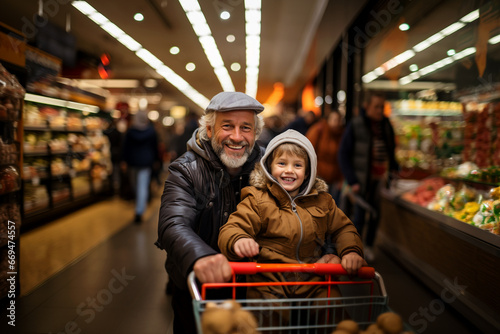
230	162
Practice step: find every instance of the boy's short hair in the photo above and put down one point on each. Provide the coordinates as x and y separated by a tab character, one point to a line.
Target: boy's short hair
290	148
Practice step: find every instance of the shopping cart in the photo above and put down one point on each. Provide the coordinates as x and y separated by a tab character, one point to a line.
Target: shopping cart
306	313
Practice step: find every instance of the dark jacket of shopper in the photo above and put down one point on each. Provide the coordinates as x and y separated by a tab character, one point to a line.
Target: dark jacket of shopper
197	189
140	146
355	154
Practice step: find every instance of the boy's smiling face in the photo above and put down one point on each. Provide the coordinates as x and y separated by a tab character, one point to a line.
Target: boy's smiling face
290	171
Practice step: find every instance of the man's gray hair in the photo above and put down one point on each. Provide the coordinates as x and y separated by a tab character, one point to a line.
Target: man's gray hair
209	119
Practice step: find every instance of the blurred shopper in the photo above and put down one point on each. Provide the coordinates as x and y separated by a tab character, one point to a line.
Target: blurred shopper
273	126
115	138
325	136
202	189
367	158
302	123
140	152
179	142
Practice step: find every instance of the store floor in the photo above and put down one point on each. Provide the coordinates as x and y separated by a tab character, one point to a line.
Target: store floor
119	287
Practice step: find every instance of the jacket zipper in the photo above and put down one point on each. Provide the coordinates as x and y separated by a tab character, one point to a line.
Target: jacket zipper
294	209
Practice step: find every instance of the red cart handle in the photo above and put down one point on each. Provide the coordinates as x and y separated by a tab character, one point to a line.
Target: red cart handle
251	268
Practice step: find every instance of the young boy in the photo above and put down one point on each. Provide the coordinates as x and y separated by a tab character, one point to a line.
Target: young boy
284	217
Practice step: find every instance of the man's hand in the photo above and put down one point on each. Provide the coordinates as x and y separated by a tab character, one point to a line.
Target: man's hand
329	258
246	247
351	262
212	269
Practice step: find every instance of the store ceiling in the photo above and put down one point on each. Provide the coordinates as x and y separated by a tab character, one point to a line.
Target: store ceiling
296	37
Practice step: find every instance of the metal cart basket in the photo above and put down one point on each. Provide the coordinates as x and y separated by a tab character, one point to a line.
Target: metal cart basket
299	315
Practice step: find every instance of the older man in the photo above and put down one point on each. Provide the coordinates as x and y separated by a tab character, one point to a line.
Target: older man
201	190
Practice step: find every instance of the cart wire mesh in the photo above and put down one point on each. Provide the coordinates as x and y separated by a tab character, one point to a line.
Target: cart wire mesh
300	315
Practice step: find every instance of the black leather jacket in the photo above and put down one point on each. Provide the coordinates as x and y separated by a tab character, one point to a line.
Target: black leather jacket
198	197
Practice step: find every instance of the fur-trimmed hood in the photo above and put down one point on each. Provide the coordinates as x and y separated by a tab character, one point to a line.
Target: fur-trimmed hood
260	176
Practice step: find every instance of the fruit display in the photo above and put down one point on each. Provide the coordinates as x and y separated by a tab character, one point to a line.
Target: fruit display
481	139
429	134
464	203
425	192
470	171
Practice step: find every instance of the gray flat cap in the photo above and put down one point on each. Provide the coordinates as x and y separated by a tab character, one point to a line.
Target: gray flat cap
231	101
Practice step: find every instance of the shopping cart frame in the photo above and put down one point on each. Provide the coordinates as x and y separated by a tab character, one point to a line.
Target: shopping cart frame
372	304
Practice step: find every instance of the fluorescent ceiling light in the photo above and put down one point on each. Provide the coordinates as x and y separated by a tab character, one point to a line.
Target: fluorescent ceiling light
129	42
472	16
144	54
60	103
452	28
437	65
202	30
196	17
252	28
149	58
494	40
112	29
83	7
253	18
253	4
98	18
110	83
253	15
403	57
190	5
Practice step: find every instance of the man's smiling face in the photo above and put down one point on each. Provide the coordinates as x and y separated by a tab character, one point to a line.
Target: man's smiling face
233	136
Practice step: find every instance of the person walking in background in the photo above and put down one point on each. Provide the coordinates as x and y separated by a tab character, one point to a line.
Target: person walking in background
202	189
273	126
302	122
367	159
325	137
140	152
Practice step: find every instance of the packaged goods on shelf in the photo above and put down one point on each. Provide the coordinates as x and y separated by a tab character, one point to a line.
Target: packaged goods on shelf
9	179
11	96
35	197
8	153
80	186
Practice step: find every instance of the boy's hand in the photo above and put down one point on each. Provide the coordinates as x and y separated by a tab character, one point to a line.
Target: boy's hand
246	247
351	262
329	258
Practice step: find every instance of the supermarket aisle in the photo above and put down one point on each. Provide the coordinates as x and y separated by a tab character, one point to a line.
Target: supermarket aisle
119	287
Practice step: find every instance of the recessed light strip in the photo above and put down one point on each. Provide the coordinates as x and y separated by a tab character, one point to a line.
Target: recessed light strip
253	18
142	53
202	30
401	58
437	65
60	103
